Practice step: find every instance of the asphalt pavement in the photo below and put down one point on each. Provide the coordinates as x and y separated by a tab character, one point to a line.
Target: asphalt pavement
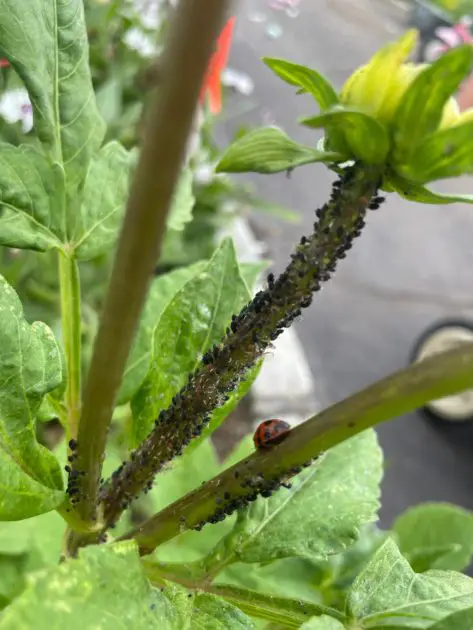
410	268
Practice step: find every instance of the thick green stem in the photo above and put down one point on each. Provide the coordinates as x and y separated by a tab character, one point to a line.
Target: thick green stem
191	40
71	334
445	374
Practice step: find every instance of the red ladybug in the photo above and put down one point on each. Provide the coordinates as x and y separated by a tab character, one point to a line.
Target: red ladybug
271	432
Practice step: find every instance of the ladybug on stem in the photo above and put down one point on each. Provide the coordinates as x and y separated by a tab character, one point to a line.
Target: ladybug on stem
270	432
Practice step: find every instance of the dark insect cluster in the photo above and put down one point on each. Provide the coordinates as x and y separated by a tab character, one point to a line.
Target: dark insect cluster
72	473
250	333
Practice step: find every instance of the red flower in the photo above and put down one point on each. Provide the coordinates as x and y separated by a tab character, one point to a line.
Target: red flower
212	86
4	63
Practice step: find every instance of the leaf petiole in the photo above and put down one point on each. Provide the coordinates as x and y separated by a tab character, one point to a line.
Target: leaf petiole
71	333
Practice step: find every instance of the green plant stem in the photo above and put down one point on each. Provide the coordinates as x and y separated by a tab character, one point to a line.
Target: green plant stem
71	333
191	40
290	613
445	374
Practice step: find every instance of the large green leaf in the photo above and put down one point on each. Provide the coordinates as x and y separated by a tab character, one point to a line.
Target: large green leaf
388	593
194	321
160	293
436	526
47	45
367	138
30	367
103	203
30	198
214	613
321	513
104	588
187	473
447	153
310	80
269	150
421	108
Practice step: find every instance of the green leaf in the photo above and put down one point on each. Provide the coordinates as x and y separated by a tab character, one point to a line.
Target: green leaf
367	138
420	110
30	190
91	592
160	293
194	321
214	613
447	153
46	43
388	593
289	578
269	150
423	559
290	613
30	367
461	620
420	194
320	514
183	202
310	80
41	536
187	473
433	526
105	192
322	623
251	271
12	580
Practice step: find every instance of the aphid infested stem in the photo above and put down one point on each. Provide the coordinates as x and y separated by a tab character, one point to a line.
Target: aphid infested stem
251	332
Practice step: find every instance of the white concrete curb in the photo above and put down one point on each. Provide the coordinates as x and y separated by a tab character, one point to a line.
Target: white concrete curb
285	387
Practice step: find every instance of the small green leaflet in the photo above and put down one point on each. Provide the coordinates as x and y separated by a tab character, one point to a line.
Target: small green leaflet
104	588
47	45
160	293
269	150
446	531
193	321
388	593
321	513
310	80
30	367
